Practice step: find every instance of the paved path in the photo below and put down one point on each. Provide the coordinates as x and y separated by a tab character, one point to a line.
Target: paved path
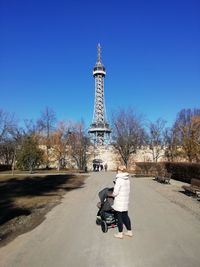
165	234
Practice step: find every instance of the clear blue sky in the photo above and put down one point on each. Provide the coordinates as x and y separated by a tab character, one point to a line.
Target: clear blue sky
150	48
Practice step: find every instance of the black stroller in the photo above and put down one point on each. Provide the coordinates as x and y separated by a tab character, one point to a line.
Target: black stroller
106	215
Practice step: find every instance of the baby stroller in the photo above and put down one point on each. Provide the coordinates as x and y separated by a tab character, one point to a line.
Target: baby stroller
106	215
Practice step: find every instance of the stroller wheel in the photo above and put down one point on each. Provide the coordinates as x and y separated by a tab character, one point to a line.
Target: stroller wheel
104	226
98	220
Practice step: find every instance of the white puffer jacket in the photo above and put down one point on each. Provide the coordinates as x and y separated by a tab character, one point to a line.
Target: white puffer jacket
121	192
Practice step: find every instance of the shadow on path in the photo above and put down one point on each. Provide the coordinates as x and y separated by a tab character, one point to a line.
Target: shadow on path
14	189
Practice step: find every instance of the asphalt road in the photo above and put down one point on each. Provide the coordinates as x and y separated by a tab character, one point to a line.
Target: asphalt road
165	235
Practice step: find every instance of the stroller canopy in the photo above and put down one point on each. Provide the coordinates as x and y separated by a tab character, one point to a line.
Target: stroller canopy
97	161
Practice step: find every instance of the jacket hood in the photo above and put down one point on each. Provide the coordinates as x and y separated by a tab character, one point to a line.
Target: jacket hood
123	175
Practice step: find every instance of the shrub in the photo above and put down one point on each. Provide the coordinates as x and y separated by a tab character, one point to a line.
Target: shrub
144	168
151	169
181	171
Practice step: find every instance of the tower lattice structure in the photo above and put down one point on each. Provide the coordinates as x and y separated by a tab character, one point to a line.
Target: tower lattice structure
99	129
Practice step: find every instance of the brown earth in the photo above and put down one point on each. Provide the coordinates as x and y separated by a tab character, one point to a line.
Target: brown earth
26	199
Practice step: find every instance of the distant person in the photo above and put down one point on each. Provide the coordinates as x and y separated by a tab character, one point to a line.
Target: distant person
121	200
94	167
101	167
97	167
105	167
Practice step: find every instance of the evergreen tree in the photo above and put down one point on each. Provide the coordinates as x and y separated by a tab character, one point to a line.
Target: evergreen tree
30	155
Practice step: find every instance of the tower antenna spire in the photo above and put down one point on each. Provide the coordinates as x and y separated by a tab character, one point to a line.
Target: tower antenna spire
98	53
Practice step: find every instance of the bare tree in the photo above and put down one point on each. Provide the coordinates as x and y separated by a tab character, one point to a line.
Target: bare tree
8	129
45	125
7	124
79	143
187	125
32	127
156	138
171	144
6	151
128	133
59	140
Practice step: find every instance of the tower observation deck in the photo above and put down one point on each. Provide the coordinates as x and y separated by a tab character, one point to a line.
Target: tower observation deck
99	129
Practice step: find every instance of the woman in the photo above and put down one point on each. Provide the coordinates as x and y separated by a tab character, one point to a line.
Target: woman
121	200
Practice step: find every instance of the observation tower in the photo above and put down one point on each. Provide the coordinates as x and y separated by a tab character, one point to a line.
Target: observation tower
99	129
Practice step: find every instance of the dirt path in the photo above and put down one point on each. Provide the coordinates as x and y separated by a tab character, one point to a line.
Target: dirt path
165	234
